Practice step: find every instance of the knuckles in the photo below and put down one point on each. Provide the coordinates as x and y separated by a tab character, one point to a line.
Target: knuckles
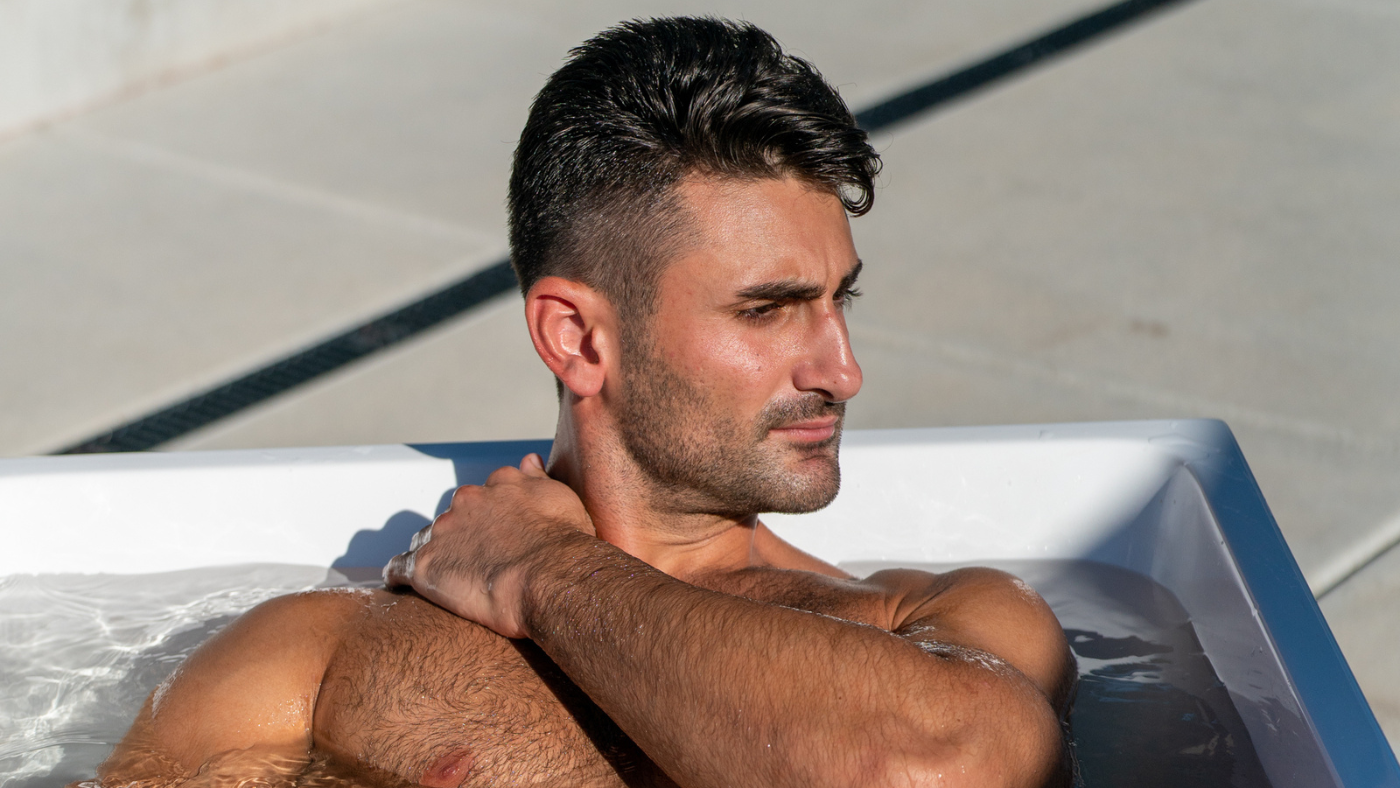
419	563
504	474
467	494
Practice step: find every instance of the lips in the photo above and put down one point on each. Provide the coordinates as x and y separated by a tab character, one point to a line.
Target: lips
810	431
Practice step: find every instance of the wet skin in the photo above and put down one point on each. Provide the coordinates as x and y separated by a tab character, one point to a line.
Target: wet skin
597	625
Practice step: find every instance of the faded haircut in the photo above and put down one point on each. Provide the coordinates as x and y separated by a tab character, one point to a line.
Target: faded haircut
643	105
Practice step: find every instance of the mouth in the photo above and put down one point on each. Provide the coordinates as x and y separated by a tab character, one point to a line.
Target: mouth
809	431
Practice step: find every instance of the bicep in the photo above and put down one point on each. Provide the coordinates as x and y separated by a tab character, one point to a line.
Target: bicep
252	687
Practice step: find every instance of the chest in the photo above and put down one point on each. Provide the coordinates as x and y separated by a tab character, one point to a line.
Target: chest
420	694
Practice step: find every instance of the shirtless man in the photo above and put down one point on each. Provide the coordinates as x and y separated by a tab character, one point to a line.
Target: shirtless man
619	615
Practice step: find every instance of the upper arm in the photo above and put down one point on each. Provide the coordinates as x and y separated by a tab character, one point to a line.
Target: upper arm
1010	733
988	610
252	686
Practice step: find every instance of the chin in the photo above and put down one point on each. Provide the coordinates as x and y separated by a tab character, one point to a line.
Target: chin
807	489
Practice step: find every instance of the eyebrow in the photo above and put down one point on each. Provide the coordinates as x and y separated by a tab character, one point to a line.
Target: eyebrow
849	280
795	289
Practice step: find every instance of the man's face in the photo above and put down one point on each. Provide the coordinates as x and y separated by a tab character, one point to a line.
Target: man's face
733	404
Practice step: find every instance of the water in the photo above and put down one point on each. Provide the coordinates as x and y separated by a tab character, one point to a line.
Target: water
79	655
1149	711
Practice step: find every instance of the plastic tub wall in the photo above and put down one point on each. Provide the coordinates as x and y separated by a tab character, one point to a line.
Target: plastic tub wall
1172	500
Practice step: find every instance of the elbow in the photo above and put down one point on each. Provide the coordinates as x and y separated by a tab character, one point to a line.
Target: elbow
1024	748
1033	766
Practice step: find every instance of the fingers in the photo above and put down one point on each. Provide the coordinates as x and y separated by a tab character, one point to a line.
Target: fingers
530	466
503	475
399	570
422	537
533	465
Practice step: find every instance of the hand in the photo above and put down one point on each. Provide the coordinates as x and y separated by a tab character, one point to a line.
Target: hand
476	558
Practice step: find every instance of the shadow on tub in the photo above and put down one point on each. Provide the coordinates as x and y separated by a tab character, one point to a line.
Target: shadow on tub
471	464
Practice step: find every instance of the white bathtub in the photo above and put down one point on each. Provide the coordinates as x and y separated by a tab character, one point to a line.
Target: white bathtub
1171	500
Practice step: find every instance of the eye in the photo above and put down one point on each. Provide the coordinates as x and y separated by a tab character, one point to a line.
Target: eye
846	297
761	311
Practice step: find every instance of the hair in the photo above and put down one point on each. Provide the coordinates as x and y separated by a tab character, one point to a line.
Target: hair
640	107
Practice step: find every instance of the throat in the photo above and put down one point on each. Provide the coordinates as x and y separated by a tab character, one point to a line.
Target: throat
716	544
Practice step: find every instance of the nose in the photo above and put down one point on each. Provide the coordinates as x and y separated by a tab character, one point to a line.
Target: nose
830	367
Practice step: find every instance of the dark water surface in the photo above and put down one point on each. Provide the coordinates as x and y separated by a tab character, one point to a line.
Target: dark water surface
79	654
1149	711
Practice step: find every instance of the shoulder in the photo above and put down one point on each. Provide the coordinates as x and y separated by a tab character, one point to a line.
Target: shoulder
254	683
985	609
286	635
778	553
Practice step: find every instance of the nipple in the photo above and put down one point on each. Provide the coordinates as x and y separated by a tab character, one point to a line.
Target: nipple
448	771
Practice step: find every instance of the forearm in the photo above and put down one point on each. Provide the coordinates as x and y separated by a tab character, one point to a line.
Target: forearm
721	690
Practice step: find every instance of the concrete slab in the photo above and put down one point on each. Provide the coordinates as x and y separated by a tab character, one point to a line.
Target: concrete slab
128	285
420	109
58	57
213	214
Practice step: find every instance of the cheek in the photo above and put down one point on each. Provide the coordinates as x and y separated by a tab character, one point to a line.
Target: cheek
739	364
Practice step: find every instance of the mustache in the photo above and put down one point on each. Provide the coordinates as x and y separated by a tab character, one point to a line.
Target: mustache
805	407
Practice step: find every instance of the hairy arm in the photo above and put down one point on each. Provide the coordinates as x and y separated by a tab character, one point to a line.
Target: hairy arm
240	706
721	690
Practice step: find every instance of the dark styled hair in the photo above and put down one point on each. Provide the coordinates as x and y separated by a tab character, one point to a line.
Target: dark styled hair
641	106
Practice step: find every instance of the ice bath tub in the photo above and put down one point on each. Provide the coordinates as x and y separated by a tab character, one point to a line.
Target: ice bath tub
1173	501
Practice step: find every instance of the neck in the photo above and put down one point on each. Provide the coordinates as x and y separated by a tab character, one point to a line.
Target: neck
589	456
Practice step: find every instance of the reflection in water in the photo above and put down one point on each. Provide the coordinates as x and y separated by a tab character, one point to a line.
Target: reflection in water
87	650
1132	727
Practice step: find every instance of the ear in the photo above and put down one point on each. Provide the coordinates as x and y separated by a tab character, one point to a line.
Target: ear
573	327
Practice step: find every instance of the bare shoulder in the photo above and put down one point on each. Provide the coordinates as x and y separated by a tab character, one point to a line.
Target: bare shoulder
251	686
985	609
287	640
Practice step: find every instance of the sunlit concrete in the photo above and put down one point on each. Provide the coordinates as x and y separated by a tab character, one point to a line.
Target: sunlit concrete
160	246
58	57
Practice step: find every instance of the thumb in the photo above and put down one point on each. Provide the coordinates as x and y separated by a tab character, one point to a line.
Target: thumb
532	465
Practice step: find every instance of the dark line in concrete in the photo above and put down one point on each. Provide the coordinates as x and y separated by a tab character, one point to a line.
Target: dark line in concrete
1018	58
298	368
224	400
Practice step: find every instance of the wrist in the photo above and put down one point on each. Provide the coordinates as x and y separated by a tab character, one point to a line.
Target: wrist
557	568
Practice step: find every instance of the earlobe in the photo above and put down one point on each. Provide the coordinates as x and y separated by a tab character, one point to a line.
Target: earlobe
571	327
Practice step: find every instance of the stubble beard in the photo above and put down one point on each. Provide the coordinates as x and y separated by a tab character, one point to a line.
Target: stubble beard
700	459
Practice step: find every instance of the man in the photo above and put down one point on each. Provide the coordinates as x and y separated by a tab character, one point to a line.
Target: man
620	615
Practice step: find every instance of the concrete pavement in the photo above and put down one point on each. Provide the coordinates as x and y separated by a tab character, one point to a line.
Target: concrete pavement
1192	217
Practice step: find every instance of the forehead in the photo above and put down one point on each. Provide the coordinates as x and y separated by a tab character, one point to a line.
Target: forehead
747	232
